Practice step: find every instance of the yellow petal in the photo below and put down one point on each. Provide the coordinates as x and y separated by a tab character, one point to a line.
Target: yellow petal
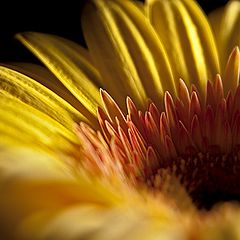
28	125
15	162
46	78
126	51
186	34
38	96
225	22
40	199
70	66
140	6
232	72
206	38
91	222
215	18
31	182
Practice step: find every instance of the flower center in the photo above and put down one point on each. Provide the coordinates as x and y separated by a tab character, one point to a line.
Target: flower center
189	140
209	178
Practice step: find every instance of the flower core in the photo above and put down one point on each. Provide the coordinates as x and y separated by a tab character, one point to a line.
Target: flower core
190	141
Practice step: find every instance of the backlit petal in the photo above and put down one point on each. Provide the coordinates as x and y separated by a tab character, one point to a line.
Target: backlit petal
226	26
232	72
50	203
126	51
29	126
46	78
187	37
33	93
61	59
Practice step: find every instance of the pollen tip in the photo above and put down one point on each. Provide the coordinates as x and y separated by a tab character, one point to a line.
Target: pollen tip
128	99
235	54
218	76
182	82
183	92
131	108
236	49
129	102
106	98
102	92
167	98
167	94
232	71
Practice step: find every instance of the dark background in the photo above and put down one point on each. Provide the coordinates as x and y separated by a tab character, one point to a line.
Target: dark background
61	18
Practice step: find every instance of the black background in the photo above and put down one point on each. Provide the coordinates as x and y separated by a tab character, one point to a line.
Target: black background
61	18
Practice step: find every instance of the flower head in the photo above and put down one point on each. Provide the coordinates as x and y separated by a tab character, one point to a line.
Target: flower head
154	155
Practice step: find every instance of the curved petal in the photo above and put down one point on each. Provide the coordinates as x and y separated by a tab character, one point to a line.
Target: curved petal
225	23
29	126
46	78
186	34
33	93
232	72
91	222
70	67
49	203
33	182
215	18
126	51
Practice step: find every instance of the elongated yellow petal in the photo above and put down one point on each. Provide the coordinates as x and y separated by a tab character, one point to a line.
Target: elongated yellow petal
232	72
50	203
206	37
140	6
186	34
225	22
81	57
97	223
215	19
126	51
46	78
29	125
38	96
70	67
32	182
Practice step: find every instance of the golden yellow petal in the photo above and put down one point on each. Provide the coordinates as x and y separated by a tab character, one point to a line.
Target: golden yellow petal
28	125
232	71
185	33
140	6
33	182
215	19
41	199
91	222
206	37
225	23
33	93
46	78
70	66
127	52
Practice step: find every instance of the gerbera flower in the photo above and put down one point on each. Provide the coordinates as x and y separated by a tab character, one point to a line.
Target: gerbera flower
155	155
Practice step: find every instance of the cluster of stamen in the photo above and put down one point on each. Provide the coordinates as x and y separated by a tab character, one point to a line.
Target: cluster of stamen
192	139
